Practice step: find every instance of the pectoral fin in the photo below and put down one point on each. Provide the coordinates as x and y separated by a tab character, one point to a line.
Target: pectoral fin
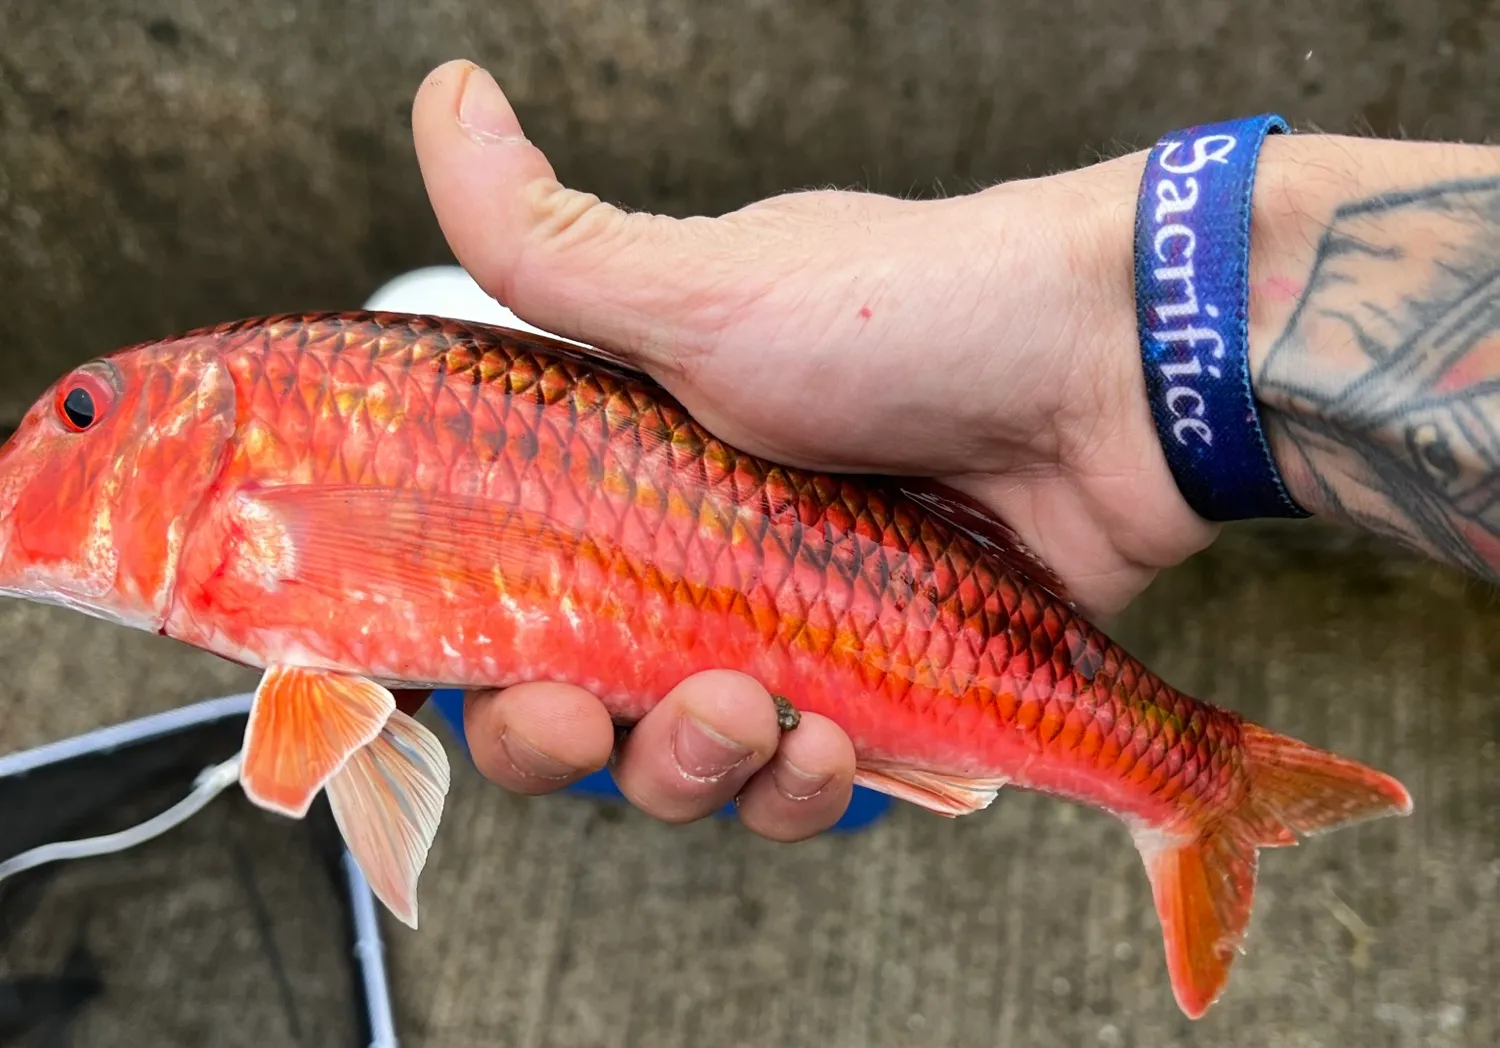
338	539
388	800
304	725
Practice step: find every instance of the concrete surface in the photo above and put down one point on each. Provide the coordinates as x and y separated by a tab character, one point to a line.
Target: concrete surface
165	163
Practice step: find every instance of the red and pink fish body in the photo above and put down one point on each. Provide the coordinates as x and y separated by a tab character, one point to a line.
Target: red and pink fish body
361	502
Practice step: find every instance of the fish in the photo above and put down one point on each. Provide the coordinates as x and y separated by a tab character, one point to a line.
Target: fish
365	506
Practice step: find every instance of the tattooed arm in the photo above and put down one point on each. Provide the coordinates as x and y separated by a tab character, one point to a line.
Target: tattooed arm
1375	337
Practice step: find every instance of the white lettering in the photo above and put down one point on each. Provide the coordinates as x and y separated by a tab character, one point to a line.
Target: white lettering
1175	242
1192	336
1175	231
1179	309
1189	306
1193	425
1175	203
1178	392
1179	370
1203	152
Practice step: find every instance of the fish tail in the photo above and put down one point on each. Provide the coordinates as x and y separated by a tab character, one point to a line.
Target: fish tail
1204	886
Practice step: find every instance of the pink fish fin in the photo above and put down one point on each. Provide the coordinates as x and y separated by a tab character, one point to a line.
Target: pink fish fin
1204	884
945	794
400	543
989	531
304	724
388	801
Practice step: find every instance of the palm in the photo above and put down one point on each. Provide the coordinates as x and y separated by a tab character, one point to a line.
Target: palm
986	340
955	338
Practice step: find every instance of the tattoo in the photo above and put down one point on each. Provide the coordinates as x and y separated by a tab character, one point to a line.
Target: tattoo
1383	393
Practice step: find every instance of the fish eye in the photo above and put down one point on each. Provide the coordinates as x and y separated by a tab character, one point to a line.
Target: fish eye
78	406
82	400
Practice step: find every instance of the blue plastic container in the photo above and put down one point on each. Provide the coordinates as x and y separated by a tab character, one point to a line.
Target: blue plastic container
865	807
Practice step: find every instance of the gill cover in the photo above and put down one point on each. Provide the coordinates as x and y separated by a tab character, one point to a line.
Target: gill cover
101	481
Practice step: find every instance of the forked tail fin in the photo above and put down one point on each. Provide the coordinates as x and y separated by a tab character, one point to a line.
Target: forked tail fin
1204	887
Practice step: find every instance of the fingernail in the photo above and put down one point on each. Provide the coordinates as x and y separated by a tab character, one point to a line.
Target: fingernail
532	762
796	784
703	753
484	112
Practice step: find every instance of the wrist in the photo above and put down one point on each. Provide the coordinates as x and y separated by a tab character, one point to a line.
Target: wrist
1305	182
1152	521
1302	182
1297	186
1357	248
1298	189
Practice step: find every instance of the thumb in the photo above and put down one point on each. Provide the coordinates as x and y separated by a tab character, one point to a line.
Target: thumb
644	285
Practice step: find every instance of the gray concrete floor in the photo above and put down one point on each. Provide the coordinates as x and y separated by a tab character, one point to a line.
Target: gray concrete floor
165	163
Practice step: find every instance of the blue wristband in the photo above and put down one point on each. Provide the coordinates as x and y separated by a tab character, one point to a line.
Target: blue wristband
1192	291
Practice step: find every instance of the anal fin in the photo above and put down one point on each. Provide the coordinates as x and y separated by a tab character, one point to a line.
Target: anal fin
304	724
945	794
388	801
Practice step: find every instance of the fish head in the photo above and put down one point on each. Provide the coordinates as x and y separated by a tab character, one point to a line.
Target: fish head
101	480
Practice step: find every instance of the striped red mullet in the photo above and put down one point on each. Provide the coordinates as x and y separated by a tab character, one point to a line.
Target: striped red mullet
365	502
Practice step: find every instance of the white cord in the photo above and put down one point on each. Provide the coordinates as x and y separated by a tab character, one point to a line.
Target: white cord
210	783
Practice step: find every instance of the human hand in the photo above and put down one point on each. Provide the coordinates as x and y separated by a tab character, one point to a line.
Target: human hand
987	340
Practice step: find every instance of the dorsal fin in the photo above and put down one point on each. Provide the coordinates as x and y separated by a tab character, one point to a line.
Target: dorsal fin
981	524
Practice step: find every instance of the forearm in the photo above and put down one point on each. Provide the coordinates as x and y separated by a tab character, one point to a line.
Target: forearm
1375	337
1374	332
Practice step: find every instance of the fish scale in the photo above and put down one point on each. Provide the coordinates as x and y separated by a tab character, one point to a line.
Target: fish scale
365	502
811	537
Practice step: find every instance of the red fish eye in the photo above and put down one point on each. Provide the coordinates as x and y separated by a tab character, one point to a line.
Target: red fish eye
82	400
